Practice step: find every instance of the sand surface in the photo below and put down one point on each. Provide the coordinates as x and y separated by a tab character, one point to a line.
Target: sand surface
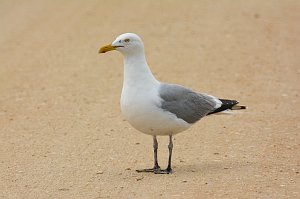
62	134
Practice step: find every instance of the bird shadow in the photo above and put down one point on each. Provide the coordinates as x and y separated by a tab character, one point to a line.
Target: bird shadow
211	167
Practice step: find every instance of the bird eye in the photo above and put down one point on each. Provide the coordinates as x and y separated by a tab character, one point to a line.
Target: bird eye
127	40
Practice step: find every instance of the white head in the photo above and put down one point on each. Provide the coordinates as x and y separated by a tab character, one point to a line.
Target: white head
127	44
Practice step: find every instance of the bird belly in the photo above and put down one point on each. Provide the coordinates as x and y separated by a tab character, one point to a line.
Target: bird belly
147	116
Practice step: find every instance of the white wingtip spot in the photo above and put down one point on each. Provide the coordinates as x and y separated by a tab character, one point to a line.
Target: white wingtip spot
218	103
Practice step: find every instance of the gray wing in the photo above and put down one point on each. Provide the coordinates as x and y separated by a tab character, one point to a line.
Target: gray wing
185	103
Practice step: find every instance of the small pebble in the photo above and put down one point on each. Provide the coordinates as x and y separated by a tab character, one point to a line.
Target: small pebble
99	172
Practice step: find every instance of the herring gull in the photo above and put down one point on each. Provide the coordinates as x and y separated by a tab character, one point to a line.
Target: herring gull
156	108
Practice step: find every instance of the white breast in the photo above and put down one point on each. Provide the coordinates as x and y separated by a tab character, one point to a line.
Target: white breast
141	107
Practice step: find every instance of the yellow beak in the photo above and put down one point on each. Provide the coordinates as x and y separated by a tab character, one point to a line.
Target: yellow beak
107	48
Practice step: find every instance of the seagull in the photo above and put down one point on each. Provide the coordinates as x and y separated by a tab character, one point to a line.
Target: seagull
156	108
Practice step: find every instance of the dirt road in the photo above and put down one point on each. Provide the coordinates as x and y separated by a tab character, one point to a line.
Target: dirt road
62	134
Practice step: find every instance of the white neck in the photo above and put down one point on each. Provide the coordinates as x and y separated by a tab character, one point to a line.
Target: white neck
136	71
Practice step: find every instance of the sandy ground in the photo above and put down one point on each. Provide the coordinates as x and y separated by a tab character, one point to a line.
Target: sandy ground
62	132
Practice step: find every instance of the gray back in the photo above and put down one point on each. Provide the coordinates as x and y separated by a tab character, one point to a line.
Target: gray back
185	103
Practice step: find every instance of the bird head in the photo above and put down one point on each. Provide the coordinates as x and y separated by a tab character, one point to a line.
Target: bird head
127	43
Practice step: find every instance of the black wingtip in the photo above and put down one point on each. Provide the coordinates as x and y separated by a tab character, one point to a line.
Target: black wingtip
238	107
228	104
243	107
